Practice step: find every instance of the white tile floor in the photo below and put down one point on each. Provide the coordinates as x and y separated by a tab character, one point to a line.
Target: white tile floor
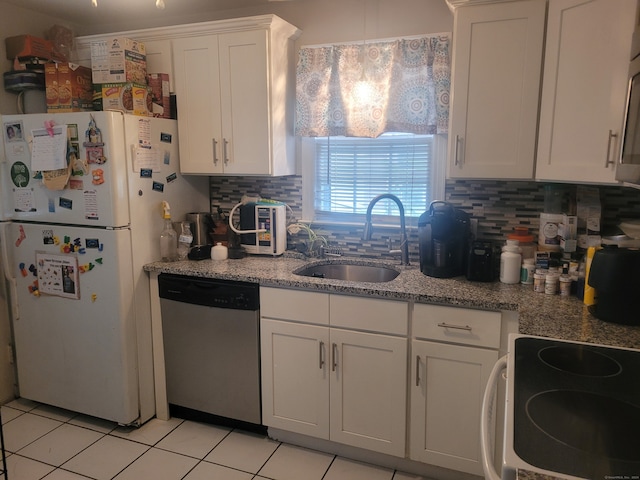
53	444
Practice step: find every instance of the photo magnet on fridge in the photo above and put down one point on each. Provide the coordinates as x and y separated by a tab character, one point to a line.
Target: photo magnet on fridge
158	187
146	173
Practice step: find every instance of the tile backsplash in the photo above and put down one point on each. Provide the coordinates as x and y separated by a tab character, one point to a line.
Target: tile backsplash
498	206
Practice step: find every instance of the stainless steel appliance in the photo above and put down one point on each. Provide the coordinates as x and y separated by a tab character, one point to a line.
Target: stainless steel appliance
444	234
629	168
201	225
212	346
572	410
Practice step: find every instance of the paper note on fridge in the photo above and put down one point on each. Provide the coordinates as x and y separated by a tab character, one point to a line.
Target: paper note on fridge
49	150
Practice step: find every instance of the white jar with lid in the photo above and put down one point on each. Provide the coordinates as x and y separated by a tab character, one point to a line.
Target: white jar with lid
219	252
510	261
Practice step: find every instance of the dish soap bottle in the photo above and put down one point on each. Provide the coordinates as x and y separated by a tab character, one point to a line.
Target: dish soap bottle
168	236
184	241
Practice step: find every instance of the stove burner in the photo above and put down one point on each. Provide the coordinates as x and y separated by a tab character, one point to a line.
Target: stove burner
580	361
595	424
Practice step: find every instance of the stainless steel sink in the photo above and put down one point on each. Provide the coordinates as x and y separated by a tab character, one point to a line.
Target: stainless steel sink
350	272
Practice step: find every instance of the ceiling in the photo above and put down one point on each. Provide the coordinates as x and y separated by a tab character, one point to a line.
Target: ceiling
84	16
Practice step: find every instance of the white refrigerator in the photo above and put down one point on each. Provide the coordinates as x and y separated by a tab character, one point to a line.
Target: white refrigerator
81	201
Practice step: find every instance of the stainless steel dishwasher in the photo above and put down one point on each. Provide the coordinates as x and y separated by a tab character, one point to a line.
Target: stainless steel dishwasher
212	346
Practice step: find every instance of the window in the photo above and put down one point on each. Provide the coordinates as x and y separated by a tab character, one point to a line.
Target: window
342	174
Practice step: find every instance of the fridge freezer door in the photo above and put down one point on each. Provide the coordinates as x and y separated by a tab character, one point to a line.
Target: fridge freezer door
96	192
75	338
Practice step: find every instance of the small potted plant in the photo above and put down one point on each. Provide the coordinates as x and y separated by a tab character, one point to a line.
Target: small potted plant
311	246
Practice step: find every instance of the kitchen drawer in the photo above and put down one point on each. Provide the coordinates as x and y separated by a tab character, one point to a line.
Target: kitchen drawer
372	314
457	325
296	305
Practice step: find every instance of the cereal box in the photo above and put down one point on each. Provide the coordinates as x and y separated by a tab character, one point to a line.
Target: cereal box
161	98
119	60
127	97
68	87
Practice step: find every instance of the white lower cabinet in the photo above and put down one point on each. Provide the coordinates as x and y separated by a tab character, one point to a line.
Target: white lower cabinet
448	382
336	367
336	384
446	399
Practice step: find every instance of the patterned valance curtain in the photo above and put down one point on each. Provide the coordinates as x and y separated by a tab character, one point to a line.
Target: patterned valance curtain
365	90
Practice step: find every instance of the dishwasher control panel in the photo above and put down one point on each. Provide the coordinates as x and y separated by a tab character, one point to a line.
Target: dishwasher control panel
209	292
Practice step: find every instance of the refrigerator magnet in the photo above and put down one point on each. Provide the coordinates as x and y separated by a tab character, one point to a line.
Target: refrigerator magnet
172	177
146	173
95	155
165	137
19	174
13	132
158	187
65	203
97	176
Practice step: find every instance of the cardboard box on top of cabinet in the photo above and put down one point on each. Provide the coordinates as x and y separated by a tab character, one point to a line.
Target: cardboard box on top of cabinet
134	98
119	60
161	97
68	87
27	47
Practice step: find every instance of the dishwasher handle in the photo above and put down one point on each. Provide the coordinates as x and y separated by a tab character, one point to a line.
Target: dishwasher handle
488	409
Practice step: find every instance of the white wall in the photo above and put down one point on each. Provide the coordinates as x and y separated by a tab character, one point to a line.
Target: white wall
321	21
17	21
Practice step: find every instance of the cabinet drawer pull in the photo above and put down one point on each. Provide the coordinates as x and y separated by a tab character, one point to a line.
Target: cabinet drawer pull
225	143
611	137
456	327
215	152
334	356
456	158
321	354
417	370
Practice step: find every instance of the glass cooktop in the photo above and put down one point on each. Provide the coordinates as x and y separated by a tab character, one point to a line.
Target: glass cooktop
577	408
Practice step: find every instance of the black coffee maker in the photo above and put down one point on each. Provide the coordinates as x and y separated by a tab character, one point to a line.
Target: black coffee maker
444	234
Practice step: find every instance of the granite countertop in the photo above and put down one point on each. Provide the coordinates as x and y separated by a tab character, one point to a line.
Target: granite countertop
554	316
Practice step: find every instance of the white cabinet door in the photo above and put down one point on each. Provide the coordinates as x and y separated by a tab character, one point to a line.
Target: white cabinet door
446	398
244	84
495	90
197	85
295	382
584	89
368	391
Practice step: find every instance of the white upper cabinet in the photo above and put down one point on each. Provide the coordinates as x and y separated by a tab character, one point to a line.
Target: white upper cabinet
584	89
234	82
235	101
497	58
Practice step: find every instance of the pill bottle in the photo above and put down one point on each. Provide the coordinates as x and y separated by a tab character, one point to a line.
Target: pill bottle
565	285
539	281
551	283
510	261
527	271
527	241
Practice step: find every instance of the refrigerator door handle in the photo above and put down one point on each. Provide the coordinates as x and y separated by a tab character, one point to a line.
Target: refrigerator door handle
13	288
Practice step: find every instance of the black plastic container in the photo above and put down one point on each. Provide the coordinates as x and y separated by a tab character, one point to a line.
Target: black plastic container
615	275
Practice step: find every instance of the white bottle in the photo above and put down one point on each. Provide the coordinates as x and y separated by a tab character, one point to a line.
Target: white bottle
184	241
510	262
168	236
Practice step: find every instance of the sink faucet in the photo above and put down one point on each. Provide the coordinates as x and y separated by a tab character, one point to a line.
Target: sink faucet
368	226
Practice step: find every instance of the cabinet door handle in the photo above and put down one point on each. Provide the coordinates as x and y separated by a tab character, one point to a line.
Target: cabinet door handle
321	355
215	152
334	356
417	370
611	137
225	153
456	152
456	327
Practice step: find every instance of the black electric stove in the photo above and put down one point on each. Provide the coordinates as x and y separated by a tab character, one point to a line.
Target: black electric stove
576	408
